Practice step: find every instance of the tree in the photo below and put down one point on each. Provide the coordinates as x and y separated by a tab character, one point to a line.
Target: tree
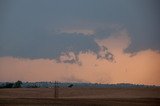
17	84
7	85
70	86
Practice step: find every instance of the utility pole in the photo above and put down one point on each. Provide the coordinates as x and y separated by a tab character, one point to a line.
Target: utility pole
56	90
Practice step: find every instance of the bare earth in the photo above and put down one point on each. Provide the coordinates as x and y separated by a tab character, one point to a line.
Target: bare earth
80	97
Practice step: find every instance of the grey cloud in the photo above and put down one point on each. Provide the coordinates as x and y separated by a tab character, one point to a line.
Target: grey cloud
107	55
25	25
69	57
44	45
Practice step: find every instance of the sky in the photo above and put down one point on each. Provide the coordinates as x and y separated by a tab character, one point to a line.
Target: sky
98	41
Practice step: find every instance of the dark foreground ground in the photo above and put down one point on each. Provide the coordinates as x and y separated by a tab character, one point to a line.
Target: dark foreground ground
79	102
80	97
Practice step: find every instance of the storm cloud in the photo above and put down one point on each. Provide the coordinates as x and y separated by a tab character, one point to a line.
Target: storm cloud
106	41
141	68
45	29
44	45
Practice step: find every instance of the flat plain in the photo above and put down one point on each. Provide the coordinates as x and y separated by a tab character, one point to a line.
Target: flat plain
80	97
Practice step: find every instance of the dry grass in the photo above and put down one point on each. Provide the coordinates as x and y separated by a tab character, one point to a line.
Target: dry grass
80	97
81	93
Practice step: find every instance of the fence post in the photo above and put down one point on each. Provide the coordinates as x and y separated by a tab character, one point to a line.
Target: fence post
56	90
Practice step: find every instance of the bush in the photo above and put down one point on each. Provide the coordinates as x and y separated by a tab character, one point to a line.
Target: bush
17	84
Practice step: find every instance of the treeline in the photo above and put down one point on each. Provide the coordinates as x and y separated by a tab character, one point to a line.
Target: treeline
20	84
17	84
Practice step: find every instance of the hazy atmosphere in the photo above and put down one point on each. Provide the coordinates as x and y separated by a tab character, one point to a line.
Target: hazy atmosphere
98	41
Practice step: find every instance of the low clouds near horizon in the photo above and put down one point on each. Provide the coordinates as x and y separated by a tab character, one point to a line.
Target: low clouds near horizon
104	41
140	68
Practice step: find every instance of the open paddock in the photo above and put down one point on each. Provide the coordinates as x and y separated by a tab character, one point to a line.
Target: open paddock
80	97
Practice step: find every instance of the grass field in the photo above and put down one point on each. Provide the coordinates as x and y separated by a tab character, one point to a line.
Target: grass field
80	97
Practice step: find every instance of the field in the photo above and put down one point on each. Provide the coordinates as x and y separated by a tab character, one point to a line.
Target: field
80	97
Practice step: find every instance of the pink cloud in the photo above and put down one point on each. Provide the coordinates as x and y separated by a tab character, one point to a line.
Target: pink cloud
142	68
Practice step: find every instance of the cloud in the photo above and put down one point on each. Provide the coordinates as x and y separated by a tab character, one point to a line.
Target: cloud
79	31
141	68
30	48
69	57
25	26
116	42
40	44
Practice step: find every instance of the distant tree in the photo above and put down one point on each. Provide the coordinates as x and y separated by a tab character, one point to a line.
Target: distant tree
8	85
33	86
70	86
17	84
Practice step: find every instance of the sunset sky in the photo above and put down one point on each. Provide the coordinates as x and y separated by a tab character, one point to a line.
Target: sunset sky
98	41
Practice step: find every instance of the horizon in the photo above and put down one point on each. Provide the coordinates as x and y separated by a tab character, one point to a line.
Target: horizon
77	84
81	83
105	41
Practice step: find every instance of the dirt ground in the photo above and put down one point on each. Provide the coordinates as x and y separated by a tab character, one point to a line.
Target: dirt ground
80	97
